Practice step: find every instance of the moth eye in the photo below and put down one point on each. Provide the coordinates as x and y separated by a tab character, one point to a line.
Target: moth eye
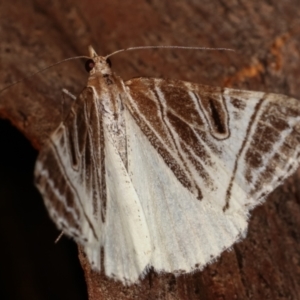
109	62
89	65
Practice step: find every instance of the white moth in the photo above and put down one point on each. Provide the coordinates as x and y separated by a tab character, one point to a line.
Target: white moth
163	173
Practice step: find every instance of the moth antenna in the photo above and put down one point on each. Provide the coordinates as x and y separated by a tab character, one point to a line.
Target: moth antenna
169	47
109	55
42	70
59	237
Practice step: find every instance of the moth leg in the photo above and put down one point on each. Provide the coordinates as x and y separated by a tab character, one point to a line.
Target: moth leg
59	237
65	93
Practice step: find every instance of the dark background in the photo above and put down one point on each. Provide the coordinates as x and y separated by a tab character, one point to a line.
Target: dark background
37	33
32	266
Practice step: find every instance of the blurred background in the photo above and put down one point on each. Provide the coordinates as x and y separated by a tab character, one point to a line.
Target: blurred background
37	33
32	266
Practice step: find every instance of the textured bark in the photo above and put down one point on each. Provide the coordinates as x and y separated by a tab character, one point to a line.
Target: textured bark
266	35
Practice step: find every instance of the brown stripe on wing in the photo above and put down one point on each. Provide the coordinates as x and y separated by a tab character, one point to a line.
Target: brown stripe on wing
178	126
85	147
145	109
174	137
178	102
275	144
189	143
93	158
43	180
59	195
212	104
250	125
270	149
73	159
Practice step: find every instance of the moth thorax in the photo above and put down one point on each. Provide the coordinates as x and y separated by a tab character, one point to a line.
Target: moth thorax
113	118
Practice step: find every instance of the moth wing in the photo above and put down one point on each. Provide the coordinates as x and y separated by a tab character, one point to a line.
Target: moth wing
127	245
200	159
67	176
89	195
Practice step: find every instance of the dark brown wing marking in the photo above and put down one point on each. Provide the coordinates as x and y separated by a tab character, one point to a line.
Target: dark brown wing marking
189	124
75	158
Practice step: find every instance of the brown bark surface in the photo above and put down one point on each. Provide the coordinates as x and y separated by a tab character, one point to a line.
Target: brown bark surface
266	37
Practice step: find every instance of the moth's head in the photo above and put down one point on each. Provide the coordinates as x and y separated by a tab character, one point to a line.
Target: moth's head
97	64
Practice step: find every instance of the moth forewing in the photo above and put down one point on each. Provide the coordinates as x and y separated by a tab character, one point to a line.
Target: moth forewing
164	173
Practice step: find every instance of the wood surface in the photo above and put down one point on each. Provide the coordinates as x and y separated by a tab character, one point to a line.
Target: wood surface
266	36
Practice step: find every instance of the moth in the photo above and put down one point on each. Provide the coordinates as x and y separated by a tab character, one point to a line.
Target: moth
163	173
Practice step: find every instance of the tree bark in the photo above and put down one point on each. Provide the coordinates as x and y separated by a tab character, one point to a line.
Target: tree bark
266	37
